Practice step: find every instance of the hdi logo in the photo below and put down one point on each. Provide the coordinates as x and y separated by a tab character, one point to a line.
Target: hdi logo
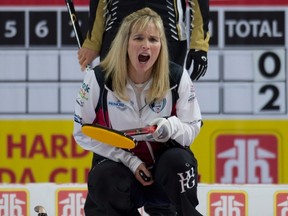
246	159
14	202
281	203
70	201
227	203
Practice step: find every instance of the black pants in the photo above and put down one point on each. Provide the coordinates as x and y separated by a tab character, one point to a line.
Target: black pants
114	191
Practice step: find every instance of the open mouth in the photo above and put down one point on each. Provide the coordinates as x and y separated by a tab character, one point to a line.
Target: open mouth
143	58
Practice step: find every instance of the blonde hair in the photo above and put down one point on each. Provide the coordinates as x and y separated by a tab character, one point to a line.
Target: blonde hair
115	64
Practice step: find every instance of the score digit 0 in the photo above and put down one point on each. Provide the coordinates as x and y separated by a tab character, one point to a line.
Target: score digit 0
269	65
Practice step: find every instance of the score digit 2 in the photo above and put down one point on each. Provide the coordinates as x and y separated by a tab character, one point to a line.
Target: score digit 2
270	98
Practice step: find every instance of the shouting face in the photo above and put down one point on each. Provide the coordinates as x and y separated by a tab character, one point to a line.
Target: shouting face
143	50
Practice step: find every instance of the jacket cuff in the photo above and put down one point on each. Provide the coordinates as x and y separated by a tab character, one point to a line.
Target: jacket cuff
134	163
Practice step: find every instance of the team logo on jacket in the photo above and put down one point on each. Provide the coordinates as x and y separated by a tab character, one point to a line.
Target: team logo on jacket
192	94
158	106
77	119
84	91
82	95
118	104
79	102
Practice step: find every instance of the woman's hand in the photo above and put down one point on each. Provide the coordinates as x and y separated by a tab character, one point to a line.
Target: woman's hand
86	56
143	175
163	131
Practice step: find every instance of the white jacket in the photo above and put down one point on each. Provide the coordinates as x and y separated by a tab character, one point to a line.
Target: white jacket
125	115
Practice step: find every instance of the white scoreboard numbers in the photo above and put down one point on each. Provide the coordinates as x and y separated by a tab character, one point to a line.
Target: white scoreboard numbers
39	27
12	28
247	70
43	28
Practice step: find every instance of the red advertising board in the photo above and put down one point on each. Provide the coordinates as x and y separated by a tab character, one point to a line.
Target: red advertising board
70	201
227	203
246	158
14	202
281	203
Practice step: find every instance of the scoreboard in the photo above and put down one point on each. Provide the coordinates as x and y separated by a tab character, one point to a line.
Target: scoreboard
247	61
